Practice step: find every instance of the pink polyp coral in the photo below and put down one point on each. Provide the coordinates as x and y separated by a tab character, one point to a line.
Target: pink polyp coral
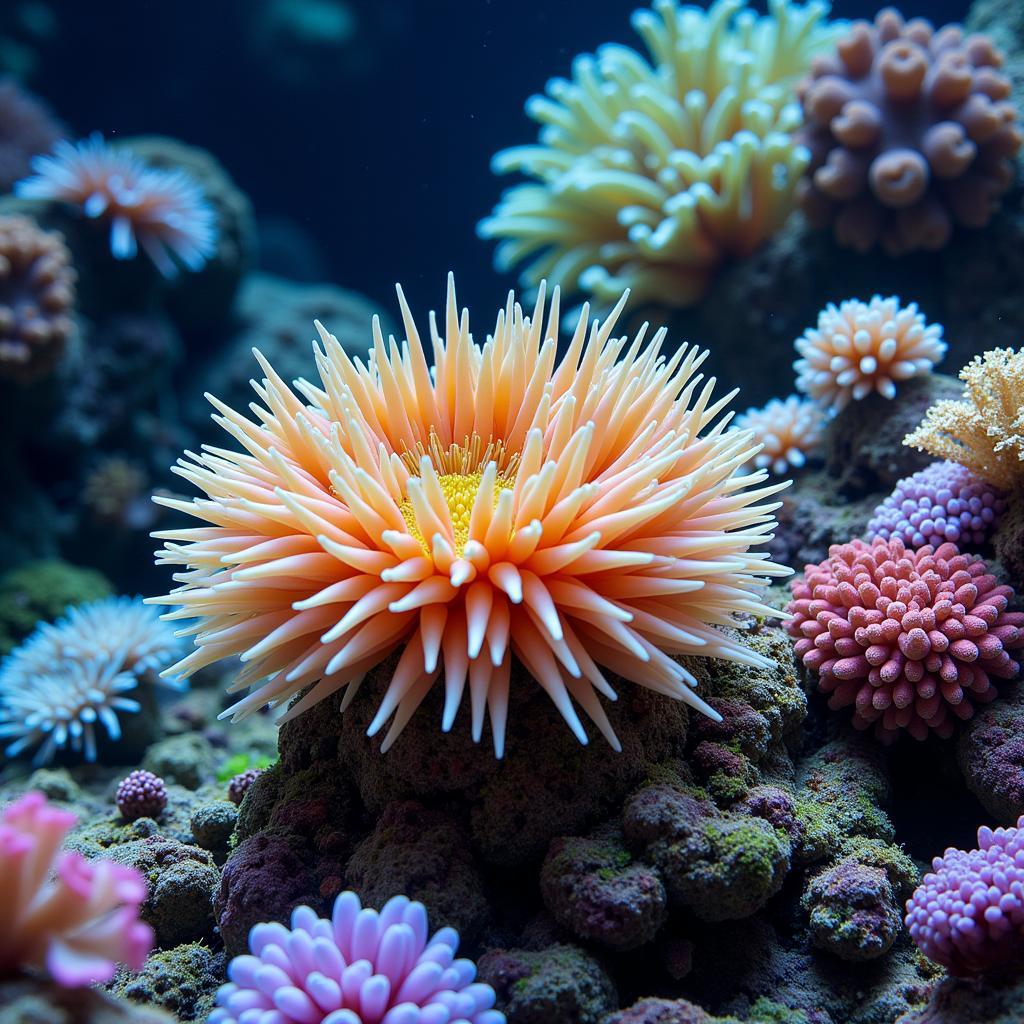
910	132
76	919
361	967
911	638
943	502
968	912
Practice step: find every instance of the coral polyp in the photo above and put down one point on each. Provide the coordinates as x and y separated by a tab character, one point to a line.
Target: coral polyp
582	514
790	431
912	638
653	170
163	212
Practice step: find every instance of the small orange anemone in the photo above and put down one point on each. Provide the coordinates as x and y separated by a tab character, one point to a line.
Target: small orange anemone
580	514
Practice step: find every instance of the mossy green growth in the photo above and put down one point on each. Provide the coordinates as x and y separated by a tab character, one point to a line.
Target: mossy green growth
41	592
766	1011
238	763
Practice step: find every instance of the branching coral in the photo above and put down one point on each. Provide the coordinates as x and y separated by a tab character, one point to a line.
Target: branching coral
912	638
577	513
75	918
37	294
790	430
985	430
73	675
911	131
860	347
360	967
163	211
651	171
968	912
943	502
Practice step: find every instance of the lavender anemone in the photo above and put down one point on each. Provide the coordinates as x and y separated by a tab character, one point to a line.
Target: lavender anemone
360	967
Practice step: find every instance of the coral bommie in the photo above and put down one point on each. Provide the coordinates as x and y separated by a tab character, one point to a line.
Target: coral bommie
912	638
360	967
985	429
790	430
968	912
37	294
651	171
163	211
942	502
860	347
911	132
73	675
76	919
577	513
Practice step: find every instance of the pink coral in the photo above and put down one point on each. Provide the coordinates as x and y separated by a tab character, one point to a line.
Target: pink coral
968	912
141	794
361	967
78	919
911	638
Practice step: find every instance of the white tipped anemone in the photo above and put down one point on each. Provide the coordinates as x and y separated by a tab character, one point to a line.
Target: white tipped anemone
581	514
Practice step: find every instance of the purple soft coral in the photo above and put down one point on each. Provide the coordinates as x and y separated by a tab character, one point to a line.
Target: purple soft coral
360	967
943	502
968	913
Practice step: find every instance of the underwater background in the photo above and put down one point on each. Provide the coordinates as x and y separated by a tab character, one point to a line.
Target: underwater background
649	654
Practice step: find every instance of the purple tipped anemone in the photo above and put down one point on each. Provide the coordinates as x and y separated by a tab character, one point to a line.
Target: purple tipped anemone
943	502
968	912
360	967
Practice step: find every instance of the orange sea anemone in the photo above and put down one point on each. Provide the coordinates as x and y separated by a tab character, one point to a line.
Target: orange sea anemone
571	513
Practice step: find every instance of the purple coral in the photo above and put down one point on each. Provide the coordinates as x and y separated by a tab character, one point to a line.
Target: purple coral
239	785
361	967
943	502
141	795
968	912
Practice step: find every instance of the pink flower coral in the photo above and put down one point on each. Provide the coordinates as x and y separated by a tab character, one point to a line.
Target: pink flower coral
360	967
790	430
905	636
78	919
968	912
860	347
163	211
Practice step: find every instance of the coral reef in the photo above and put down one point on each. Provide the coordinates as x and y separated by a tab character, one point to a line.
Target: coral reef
73	675
73	918
991	756
910	132
140	794
984	431
912	638
165	213
652	171
544	543
183	981
37	294
859	347
35	1001
968	912
790	431
360	965
943	502
27	128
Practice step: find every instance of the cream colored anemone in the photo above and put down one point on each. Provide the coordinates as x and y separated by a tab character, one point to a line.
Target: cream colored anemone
583	515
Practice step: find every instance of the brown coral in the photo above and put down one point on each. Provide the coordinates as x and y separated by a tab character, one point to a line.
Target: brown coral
36	297
910	132
984	431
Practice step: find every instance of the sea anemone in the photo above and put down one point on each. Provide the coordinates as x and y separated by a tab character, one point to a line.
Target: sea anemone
163	211
912	638
141	794
862	347
76	919
942	502
650	172
968	912
789	431
577	513
360	967
911	131
37	295
74	674
985	429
